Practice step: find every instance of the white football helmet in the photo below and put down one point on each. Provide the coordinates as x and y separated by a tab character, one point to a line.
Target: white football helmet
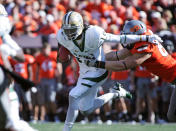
3	11
72	25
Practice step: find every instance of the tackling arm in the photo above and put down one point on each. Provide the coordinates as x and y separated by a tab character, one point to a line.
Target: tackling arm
117	55
128	63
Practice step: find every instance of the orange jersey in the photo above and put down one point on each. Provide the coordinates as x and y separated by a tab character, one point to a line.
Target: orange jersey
21	68
160	63
1	61
142	72
47	65
174	55
121	75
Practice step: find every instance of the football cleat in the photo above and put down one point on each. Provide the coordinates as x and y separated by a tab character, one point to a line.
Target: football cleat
120	91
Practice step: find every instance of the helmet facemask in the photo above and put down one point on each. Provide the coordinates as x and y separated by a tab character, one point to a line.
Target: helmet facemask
72	32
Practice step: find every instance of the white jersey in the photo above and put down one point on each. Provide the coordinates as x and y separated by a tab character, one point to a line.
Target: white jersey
5	25
91	47
9	46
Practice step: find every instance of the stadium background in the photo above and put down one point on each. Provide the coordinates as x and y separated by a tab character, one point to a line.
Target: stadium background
36	22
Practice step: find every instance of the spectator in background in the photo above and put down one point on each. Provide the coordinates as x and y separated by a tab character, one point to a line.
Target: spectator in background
147	6
58	15
167	15
119	9
131	12
50	73
36	94
146	92
98	9
114	29
114	19
50	28
24	70
143	18
86	16
156	19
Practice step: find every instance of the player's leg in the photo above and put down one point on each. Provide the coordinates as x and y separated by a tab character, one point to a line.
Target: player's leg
42	99
97	102
151	101
171	114
50	95
141	93
74	97
5	121
84	84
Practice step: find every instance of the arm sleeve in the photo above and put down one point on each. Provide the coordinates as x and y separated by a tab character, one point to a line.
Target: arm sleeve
111	38
123	39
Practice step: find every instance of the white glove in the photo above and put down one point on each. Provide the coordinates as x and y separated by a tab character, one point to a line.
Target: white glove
154	39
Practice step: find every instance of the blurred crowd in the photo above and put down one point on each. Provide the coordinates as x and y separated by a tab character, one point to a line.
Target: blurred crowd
49	101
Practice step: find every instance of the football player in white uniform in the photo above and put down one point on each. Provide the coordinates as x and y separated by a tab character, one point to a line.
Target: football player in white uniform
86	42
9	104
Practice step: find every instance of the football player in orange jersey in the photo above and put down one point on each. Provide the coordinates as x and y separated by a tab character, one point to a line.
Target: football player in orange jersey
153	57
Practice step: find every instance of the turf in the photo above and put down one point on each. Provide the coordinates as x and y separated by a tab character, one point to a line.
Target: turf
104	127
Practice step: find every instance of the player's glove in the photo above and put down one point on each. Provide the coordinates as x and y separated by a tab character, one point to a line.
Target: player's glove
94	63
153	39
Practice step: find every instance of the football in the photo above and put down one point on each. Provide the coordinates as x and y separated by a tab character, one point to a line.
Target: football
63	54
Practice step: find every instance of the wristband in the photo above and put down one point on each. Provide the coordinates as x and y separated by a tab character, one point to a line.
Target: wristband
125	65
117	56
100	64
140	38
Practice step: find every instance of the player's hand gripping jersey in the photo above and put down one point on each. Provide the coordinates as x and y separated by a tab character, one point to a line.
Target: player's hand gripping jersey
160	63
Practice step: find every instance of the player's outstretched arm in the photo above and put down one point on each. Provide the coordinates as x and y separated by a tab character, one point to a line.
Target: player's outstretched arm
130	39
128	63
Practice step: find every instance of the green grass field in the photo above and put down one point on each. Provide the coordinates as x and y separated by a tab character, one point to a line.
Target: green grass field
104	127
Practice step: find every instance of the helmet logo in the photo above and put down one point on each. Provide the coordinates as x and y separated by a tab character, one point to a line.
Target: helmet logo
135	28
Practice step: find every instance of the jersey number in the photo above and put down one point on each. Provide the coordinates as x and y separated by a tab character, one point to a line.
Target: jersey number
19	68
47	65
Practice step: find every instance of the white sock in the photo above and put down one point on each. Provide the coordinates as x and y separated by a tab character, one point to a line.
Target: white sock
100	101
72	114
